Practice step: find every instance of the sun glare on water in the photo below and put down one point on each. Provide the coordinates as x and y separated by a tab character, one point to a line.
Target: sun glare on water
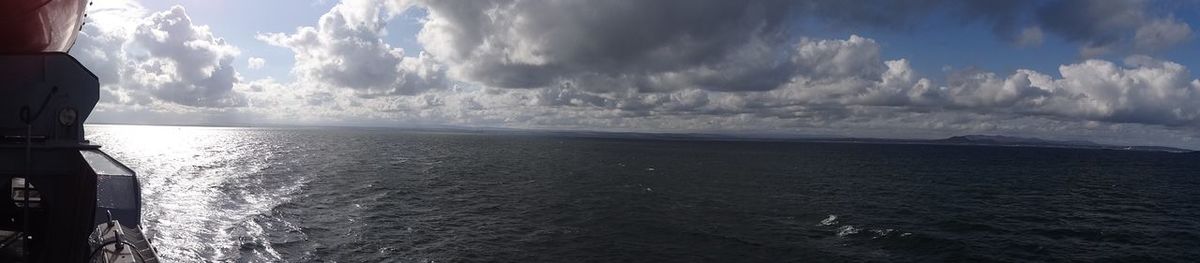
187	176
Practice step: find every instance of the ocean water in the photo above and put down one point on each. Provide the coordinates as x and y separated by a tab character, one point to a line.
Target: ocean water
387	195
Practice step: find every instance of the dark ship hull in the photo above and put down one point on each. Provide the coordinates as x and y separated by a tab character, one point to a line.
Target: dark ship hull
61	198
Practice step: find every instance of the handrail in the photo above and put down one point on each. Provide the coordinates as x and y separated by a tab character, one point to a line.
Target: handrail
136	253
118	241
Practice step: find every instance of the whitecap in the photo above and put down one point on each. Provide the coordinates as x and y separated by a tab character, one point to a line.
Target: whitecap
879	233
829	221
847	230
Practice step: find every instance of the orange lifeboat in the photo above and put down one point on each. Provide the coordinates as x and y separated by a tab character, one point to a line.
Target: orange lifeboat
40	25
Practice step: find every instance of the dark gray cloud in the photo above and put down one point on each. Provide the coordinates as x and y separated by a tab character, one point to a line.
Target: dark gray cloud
872	13
1096	23
1161	34
606	45
1006	18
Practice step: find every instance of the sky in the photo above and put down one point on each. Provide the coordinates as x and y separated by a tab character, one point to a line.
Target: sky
1110	71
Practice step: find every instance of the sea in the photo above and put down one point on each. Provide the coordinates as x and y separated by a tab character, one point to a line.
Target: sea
213	194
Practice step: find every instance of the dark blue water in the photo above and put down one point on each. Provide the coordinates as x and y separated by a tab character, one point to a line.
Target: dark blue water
376	195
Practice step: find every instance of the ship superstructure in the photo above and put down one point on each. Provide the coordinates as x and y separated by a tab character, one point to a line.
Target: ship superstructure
62	199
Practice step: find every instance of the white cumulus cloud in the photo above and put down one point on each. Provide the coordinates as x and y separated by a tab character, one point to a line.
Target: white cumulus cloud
255	62
160	58
346	50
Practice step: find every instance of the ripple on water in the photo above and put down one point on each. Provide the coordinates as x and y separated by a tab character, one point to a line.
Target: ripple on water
366	195
205	189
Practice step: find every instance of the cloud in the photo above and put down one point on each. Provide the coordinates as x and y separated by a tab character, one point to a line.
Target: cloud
184	62
834	77
734	59
716	45
1144	91
160	58
662	65
1096	23
255	63
1098	26
838	59
610	45
346	50
1030	36
101	43
1102	25
1161	34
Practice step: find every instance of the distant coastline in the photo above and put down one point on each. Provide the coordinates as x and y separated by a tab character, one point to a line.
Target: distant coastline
967	140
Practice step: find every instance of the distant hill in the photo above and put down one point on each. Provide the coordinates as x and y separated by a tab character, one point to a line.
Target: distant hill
1035	142
983	140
